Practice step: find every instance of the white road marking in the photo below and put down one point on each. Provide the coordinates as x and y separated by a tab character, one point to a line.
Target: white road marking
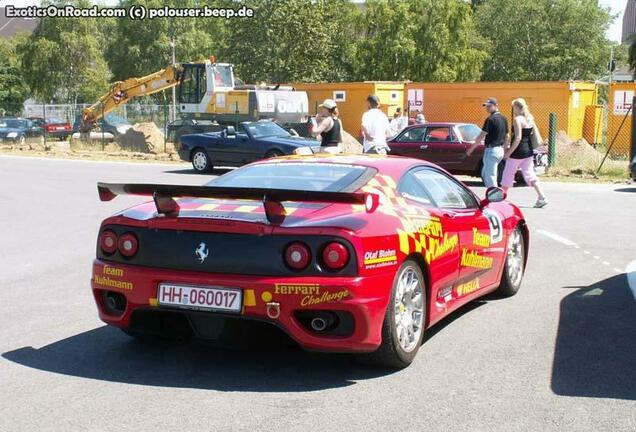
605	263
631	277
587	252
556	237
597	257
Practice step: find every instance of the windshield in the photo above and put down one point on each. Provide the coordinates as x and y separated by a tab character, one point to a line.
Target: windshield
262	129
115	120
469	132
297	176
12	123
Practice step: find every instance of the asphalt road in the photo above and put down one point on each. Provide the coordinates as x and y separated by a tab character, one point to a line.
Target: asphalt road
561	355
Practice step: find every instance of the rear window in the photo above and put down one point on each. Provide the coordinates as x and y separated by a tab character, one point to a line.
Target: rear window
298	176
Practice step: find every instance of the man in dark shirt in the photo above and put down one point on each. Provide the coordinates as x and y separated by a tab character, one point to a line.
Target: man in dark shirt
495	136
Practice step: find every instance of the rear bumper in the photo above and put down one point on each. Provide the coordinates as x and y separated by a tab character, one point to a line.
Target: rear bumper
59	133
363	298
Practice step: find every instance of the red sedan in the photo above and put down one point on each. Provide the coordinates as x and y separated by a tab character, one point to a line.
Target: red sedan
445	144
53	127
344	253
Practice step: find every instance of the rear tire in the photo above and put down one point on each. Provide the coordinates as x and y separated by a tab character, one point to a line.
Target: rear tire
514	266
201	161
405	317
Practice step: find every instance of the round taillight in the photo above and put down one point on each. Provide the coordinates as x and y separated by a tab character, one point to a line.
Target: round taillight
335	256
297	256
108	241
128	245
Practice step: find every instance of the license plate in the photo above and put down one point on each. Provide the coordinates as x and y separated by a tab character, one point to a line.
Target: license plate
60	128
200	297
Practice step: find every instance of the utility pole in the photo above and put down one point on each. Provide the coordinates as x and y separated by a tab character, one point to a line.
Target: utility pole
173	116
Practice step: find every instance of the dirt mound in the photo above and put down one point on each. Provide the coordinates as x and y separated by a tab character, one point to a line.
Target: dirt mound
142	137
579	149
350	145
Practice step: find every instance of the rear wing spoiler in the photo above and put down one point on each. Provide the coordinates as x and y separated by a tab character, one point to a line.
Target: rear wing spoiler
163	196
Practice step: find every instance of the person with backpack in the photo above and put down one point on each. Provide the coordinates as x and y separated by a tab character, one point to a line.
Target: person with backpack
519	154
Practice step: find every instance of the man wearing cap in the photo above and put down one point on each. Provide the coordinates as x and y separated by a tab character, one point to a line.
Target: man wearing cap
328	127
495	135
375	128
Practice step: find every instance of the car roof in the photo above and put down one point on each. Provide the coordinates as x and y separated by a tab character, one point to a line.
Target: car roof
442	124
394	166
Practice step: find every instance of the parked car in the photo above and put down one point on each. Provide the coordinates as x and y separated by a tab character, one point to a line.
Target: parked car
633	168
344	253
253	141
112	126
17	129
445	144
53	127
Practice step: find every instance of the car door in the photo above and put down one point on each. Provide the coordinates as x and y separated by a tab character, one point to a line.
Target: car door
442	147
480	230
436	233
230	147
408	142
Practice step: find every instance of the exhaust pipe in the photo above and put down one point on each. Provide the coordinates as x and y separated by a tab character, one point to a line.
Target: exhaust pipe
273	310
112	303
318	324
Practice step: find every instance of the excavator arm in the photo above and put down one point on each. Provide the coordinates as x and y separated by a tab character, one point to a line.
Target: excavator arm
123	91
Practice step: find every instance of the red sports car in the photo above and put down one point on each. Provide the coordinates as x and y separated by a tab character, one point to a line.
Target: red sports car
344	253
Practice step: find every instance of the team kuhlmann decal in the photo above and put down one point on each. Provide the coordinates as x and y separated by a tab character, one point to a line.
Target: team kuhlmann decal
480	239
437	247
467	288
380	258
113	283
473	259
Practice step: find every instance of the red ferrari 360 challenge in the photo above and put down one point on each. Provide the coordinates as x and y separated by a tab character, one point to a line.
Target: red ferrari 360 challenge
343	253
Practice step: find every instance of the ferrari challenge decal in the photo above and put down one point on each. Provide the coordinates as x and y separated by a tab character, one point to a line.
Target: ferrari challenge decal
473	259
380	258
105	279
467	288
325	297
313	294
496	225
296	289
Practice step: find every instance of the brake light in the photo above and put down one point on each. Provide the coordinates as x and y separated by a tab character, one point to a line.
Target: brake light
297	256
108	241
335	256
128	245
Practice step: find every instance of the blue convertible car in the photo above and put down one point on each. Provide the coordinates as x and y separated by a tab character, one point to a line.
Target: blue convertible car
252	141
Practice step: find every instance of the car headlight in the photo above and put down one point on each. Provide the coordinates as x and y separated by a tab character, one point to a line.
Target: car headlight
304	150
12	135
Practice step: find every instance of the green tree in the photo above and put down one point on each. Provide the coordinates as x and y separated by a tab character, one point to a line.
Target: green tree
13	89
544	39
140	48
294	40
63	58
423	40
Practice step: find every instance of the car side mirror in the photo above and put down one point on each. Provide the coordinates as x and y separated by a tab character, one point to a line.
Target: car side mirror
230	131
493	195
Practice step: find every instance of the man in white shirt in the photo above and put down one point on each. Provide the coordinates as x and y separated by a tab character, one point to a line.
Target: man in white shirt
375	128
399	122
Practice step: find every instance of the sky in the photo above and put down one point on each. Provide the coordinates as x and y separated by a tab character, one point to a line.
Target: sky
614	33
